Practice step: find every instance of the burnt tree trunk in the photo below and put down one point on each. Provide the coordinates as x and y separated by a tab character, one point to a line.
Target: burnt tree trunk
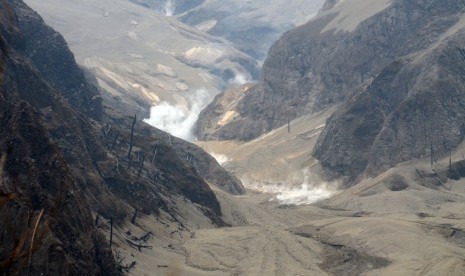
133	220
141	165
111	231
131	143
114	141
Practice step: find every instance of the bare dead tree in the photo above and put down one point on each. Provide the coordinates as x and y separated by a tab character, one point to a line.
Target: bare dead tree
106	131
131	143
154	152
139	245
130	162
196	167
146	237
189	158
114	141
432	152
450	160
129	266
288	125
111	231
117	165
134	216
141	165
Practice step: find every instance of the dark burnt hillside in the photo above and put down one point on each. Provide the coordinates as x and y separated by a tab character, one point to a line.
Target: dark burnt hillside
37	185
60	167
48	52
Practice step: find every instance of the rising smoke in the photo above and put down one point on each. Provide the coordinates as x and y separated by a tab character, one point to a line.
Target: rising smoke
239	78
169	8
220	158
308	191
179	120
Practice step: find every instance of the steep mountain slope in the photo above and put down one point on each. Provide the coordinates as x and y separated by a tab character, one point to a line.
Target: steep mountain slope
57	64
320	63
62	170
387	60
412	109
37	184
142	58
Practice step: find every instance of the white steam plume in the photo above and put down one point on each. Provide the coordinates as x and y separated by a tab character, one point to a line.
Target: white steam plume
177	120
220	158
240	78
307	192
169	8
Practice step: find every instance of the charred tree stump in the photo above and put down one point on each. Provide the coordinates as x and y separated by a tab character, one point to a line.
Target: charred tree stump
141	165
111	231
114	141
432	152
288	125
133	220
131	143
154	152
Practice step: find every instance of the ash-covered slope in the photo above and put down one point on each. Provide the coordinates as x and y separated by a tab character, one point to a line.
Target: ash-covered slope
253	26
142	58
61	169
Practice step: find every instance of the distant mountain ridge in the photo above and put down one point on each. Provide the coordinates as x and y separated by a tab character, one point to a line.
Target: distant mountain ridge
251	25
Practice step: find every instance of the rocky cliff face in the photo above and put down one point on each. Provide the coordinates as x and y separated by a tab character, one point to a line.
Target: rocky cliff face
320	64
412	109
59	168
382	60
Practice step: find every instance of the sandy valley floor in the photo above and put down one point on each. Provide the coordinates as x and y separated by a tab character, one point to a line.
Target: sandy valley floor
406	221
